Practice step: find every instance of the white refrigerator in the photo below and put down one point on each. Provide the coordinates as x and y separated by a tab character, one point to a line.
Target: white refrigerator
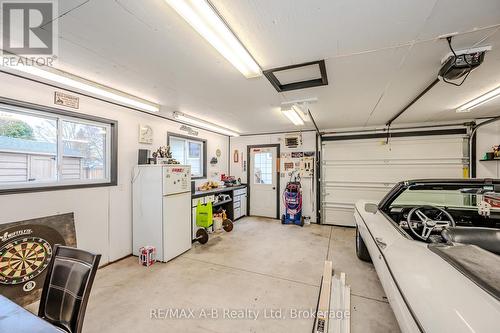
162	209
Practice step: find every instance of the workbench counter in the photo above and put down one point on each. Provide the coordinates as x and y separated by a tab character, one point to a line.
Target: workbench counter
198	194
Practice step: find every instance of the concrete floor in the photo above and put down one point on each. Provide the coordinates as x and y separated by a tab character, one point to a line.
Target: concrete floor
260	266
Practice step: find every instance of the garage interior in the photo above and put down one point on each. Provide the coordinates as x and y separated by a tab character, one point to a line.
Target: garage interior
206	157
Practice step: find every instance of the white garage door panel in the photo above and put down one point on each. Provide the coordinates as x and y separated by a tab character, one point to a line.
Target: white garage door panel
393	174
368	169
446	146
342	216
346	195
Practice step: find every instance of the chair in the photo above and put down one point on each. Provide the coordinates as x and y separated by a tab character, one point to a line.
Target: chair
66	290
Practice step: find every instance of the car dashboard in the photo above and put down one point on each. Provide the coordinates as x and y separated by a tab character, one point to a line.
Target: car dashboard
464	217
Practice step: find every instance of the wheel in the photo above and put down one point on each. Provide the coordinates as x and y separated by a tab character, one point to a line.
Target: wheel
361	250
283	219
302	221
202	236
227	225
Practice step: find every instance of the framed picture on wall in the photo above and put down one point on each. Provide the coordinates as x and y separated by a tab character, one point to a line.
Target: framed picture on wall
145	134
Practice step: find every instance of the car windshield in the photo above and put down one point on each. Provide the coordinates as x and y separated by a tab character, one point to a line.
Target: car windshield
468	198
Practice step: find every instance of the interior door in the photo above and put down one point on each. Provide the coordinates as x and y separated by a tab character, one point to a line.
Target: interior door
263	182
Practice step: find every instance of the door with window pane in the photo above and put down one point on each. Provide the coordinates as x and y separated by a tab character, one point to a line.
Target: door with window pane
263	182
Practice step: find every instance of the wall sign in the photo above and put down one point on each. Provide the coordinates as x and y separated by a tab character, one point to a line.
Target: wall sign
145	134
67	100
189	130
25	252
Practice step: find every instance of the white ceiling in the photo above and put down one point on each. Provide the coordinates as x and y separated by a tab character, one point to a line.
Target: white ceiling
379	55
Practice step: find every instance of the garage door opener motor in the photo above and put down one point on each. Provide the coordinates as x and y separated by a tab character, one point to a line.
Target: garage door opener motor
460	63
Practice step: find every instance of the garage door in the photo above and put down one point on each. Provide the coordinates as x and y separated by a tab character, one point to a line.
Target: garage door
355	169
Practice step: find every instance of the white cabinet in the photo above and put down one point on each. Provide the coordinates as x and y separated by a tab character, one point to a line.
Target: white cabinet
243	204
240	203
237	213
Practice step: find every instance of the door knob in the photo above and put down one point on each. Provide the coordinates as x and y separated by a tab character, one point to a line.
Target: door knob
274	188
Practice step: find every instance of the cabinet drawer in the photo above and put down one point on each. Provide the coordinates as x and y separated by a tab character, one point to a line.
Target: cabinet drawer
237	198
236	204
237	213
240	191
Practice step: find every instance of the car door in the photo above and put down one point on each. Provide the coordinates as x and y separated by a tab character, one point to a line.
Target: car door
380	235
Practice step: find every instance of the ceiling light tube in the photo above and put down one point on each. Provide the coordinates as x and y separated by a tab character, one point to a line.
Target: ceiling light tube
300	111
92	88
292	115
203	124
206	21
479	100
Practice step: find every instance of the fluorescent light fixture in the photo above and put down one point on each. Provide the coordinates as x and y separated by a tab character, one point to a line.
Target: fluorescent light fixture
203	124
299	109
93	88
479	100
202	16
292	115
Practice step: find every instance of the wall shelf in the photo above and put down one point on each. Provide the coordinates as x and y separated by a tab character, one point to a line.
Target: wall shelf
221	203
495	159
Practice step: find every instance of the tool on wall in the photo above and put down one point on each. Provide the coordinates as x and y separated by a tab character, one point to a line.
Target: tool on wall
306	167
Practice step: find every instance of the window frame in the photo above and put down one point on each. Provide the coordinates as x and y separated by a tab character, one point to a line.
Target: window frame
204	162
64	115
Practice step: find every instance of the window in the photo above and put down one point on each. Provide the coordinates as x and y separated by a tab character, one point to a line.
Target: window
263	168
44	148
189	151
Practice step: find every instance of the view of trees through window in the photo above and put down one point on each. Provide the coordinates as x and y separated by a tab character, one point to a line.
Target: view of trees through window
188	152
47	148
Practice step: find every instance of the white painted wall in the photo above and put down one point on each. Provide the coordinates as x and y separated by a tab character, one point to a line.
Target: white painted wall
308	184
487	137
103	216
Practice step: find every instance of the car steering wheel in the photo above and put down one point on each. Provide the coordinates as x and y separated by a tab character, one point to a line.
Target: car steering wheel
427	223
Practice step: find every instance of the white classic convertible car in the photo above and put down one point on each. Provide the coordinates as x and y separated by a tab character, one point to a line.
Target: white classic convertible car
435	245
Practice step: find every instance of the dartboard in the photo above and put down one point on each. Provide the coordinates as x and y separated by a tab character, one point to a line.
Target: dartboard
23	259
